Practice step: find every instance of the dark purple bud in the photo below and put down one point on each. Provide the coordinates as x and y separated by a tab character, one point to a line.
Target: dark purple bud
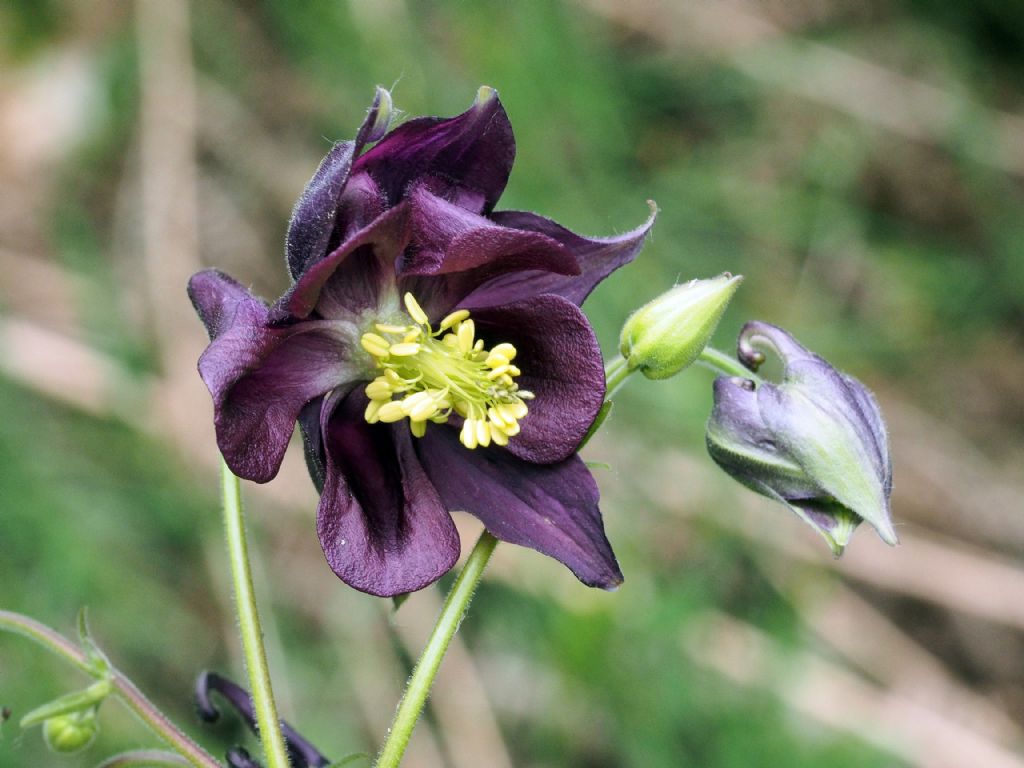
238	757
815	441
301	753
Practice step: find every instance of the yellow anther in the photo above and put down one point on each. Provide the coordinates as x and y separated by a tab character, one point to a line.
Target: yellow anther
391	411
375	345
414	309
483	433
512	412
419	407
426	375
405	349
455	317
466	331
496	418
372	411
379	389
468	434
497	372
506	350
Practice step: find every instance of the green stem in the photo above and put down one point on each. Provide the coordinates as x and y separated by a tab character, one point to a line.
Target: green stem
416	691
616	371
721	363
249	624
455	606
124	688
142	758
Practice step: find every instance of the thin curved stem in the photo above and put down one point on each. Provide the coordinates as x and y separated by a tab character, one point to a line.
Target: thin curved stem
142	758
616	371
124	688
267	719
416	691
720	362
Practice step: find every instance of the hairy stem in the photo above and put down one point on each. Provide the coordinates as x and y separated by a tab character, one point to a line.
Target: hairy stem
455	606
124	688
416	692
251	632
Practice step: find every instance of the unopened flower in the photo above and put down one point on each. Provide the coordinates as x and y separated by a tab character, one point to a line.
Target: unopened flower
301	753
432	350
667	334
71	732
815	442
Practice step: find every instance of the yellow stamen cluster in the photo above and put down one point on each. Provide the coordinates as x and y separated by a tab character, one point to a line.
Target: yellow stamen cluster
429	373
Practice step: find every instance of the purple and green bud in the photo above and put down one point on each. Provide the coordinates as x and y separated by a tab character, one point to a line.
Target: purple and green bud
668	334
815	441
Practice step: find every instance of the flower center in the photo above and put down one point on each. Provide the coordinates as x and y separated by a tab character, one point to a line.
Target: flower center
427	374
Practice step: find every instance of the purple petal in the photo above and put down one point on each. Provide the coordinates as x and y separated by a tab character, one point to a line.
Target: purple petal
597	257
328	202
468	250
260	377
350	279
473	151
561	364
381	523
551	508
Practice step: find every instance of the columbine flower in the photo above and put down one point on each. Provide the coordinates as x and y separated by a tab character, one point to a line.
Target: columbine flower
816	441
432	351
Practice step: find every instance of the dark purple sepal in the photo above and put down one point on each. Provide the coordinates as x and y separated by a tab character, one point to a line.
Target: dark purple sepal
561	364
316	213
552	508
597	257
473	151
381	523
351	278
259	383
455	251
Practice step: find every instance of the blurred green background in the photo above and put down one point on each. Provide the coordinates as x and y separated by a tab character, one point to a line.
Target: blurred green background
859	161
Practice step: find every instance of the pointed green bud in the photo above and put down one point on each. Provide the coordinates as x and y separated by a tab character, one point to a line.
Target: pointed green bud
72	732
666	335
815	441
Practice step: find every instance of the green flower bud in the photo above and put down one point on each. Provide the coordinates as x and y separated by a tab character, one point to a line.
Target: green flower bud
666	335
72	732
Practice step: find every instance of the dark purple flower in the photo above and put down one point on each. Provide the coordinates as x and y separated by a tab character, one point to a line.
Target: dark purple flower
414	299
815	441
